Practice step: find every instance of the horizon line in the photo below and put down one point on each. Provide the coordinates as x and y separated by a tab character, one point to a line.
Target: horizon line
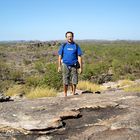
26	40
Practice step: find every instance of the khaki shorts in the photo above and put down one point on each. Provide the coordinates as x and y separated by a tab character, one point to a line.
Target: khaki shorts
70	75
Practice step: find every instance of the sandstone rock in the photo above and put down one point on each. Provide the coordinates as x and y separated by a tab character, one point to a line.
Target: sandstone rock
4	98
87	116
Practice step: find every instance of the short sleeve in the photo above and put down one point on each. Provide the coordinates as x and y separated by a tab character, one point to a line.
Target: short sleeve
60	50
79	51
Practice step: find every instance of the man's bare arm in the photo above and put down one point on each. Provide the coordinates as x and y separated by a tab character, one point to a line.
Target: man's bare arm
81	64
59	63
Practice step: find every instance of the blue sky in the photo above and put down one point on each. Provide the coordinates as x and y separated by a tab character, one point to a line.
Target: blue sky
88	19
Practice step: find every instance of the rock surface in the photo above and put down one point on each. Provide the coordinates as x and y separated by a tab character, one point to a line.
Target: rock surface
110	115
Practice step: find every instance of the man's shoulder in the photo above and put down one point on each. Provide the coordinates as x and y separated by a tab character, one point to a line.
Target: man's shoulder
77	45
67	44
63	45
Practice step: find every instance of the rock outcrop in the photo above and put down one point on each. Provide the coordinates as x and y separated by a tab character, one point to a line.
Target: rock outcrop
109	115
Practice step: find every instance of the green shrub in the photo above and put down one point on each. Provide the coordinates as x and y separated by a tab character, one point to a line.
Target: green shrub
33	81
52	78
26	61
15	75
122	57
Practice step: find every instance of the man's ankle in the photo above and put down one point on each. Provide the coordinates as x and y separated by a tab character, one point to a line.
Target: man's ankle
73	93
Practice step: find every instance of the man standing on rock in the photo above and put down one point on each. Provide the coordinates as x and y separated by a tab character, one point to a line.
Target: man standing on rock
70	61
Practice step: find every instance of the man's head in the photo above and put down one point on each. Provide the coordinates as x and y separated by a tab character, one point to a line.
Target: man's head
69	36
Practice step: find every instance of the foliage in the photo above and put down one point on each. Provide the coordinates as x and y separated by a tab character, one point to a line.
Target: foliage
122	58
52	78
33	81
37	66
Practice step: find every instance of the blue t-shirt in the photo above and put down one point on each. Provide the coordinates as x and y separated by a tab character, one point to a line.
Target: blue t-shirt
70	53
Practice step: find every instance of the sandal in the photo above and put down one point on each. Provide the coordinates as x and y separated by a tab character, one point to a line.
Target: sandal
76	94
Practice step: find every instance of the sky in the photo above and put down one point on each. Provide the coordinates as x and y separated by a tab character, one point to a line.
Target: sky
88	19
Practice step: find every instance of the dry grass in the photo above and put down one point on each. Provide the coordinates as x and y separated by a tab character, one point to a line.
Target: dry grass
126	82
15	90
86	85
133	88
39	92
129	86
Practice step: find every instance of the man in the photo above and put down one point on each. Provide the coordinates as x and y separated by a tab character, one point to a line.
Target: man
70	57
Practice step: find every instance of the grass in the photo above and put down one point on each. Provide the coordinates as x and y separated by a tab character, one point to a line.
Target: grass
133	88
15	90
32	93
39	92
86	85
125	82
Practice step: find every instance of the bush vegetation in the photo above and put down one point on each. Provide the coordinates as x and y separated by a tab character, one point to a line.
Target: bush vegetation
123	59
36	67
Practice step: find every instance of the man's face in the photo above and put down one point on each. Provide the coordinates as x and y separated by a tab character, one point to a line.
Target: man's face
69	37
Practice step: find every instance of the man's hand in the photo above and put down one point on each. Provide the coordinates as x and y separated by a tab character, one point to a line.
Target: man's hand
80	70
59	69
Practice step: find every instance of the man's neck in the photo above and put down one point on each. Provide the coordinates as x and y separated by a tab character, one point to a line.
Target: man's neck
70	42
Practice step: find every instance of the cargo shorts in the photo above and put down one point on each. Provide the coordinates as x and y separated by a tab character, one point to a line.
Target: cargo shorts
70	75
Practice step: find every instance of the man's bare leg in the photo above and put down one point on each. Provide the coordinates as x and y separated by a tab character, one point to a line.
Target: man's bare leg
74	89
71	88
65	90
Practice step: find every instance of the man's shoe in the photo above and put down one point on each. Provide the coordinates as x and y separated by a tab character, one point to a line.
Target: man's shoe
75	94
